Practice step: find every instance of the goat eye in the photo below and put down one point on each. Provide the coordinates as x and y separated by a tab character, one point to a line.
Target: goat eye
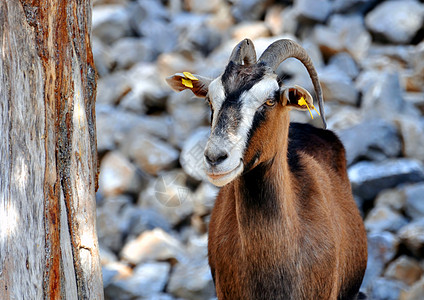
270	102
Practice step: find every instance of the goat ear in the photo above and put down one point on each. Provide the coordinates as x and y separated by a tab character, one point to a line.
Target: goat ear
297	97
197	84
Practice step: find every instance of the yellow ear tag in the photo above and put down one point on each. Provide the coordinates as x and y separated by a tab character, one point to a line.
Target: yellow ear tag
187	82
189	76
302	102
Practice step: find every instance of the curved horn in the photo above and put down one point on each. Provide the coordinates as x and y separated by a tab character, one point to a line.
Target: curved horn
244	52
280	50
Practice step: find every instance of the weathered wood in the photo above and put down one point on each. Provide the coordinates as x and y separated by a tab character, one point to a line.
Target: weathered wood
48	155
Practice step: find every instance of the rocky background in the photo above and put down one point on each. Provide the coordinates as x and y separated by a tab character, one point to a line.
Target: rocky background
153	202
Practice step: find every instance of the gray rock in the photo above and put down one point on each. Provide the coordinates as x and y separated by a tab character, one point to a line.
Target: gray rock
192	281
344	61
112	88
114	125
382	247
154	245
151	154
404	269
149	19
126	52
354	6
192	153
415	201
146	281
387	289
188	113
341	117
412	131
343	33
392	198
338	86
369	178
204	198
383	218
169	195
111	225
383	99
106	256
118	175
144	219
412	236
397	21
102	57
245	10
147	92
113	271
372	140
253	30
315	10
202	7
416	292
110	22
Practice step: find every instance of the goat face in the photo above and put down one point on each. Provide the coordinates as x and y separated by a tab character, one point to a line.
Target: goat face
249	110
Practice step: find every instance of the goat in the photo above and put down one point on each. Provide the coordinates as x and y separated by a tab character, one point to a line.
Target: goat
284	225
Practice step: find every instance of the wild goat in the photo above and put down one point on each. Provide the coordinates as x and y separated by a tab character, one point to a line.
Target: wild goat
284	225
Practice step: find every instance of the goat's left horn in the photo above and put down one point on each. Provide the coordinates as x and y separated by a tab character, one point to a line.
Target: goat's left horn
244	52
280	50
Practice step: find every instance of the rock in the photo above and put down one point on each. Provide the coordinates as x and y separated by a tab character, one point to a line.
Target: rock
248	10
192	157
344	61
154	245
202	7
353	6
404	269
112	88
317	10
148	93
204	198
382	247
110	22
192	281
169	195
251	30
150	19
147	280
383	218
111	225
151	154
371	140
102	57
397	21
369	178
118	175
106	256
412	131
126	52
188	113
144	219
344	117
412	236
416	292
338	86
387	289
274	19
415	201
115	271
114	125
343	33
392	198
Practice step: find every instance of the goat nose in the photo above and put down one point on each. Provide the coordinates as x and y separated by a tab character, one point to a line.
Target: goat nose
215	159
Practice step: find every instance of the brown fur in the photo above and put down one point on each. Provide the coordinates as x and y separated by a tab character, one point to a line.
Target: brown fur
288	228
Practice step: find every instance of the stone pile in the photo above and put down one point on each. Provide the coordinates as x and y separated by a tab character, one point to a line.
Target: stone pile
154	203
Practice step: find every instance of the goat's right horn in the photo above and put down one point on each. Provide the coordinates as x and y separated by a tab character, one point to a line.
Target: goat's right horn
280	50
244	52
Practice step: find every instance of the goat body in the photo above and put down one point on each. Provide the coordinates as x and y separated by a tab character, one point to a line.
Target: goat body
289	228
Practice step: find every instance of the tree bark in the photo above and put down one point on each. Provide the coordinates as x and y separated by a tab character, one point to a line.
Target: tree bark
48	153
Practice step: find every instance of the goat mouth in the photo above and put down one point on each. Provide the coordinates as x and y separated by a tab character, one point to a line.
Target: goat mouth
221	179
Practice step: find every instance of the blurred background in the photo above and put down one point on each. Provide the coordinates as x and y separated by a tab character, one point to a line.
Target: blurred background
153	204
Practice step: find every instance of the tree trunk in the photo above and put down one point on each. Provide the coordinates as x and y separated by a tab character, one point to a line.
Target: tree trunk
48	155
